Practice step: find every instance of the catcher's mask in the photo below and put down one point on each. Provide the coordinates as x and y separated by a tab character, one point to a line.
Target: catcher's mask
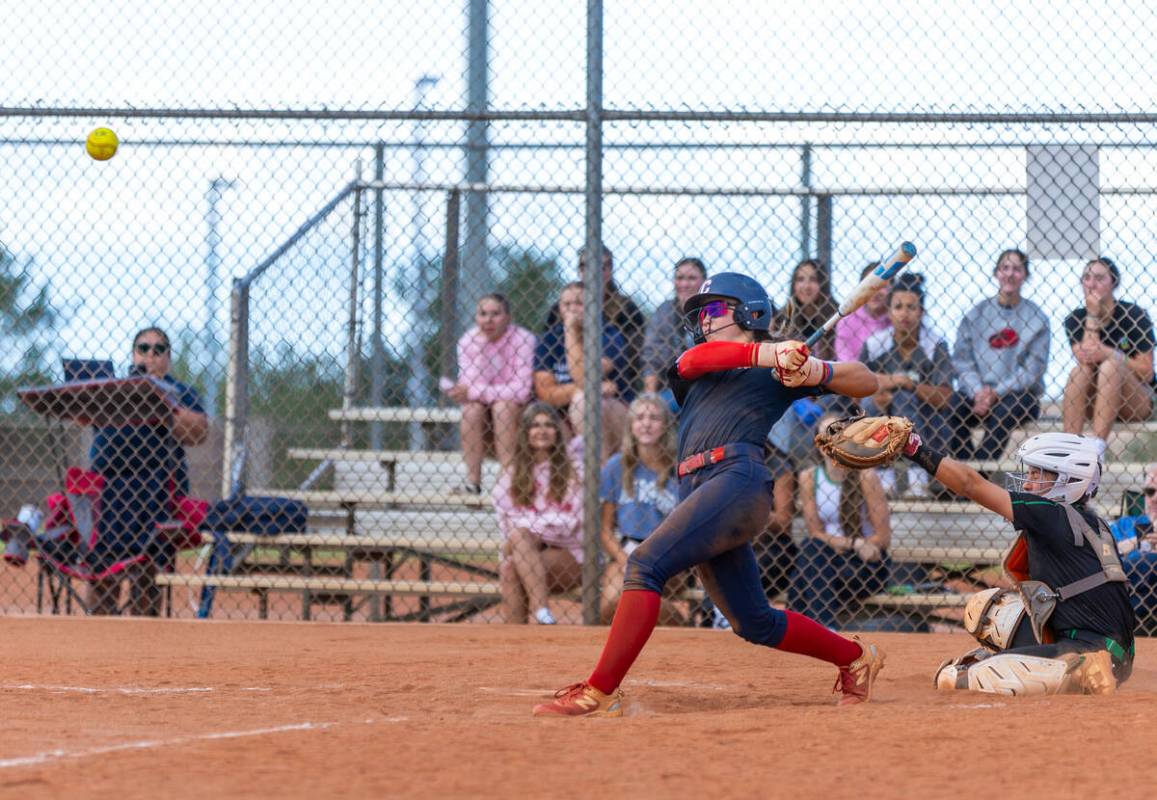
752	306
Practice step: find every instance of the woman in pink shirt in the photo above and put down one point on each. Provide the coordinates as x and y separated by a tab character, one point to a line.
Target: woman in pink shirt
495	373
538	501
853	330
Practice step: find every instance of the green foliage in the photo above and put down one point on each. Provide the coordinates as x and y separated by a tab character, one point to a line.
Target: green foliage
25	313
532	282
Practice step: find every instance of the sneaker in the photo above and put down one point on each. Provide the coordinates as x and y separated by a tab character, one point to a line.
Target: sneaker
544	617
855	681
467	488
582	700
1094	673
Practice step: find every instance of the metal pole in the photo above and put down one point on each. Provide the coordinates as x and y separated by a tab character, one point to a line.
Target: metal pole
418	386
377	345
351	371
450	279
236	390
593	315
805	205
209	342
824	230
476	279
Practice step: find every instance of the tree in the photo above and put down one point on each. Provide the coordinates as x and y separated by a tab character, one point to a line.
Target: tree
26	314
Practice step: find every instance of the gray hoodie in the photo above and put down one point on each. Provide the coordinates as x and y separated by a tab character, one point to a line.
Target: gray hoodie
1004	348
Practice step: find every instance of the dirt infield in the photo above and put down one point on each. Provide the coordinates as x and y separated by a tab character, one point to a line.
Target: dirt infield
177	709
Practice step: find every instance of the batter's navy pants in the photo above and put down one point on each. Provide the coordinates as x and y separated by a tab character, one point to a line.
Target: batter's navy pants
722	507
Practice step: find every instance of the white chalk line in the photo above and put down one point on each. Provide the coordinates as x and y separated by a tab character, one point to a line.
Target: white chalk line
36	687
152	744
977	705
525	692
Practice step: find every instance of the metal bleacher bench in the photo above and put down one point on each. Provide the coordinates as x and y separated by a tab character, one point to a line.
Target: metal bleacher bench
331	579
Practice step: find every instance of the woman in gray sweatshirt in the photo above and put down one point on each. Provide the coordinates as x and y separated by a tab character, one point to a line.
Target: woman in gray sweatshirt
1002	350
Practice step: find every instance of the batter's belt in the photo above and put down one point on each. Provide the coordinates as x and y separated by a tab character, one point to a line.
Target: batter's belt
716	455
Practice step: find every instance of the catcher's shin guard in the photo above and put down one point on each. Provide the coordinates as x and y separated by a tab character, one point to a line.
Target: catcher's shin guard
1019	675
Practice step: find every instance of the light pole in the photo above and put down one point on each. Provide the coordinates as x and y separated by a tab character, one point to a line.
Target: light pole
209	343
419	384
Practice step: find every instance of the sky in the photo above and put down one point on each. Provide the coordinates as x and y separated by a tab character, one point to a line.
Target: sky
123	243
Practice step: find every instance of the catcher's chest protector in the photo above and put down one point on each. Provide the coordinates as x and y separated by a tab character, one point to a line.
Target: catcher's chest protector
1040	599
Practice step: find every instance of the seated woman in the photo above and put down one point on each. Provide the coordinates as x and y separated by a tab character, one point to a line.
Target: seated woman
144	470
495	373
844	557
1137	544
1001	352
1113	342
666	336
638	489
809	306
538	501
559	370
914	370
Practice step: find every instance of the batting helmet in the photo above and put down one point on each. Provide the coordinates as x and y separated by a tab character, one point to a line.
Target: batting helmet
753	307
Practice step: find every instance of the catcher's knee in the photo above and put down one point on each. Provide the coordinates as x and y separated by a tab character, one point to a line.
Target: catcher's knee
1019	675
992	617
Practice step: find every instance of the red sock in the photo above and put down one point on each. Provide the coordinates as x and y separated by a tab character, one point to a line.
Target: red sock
635	618
807	637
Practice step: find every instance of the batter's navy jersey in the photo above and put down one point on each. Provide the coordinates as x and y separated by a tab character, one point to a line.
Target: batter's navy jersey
1055	560
738	405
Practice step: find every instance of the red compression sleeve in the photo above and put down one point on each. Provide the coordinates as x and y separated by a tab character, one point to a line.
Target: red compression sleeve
807	637
635	618
717	357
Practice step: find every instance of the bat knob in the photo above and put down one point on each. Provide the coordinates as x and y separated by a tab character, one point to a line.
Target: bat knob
909	249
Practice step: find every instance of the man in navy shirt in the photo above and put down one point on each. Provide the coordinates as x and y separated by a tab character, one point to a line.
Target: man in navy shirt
559	369
144	469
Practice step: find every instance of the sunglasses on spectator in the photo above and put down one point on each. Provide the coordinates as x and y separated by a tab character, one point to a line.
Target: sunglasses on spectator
1151	491
160	348
715	309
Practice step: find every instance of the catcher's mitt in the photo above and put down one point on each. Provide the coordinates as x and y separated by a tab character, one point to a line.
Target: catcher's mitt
862	442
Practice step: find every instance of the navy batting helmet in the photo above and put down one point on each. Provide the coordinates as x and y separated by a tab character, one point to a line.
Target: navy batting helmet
753	308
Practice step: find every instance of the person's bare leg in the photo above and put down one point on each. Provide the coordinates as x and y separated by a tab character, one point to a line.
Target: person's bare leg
473	440
514	607
526	555
1075	405
782	505
1136	399
1107	402
575	411
504	415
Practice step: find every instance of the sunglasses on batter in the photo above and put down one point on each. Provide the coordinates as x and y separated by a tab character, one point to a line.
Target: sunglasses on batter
160	348
715	309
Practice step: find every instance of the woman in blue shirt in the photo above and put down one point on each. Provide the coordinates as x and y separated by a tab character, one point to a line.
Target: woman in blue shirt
638	489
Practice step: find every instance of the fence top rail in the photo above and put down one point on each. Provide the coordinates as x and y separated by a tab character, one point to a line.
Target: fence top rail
579	115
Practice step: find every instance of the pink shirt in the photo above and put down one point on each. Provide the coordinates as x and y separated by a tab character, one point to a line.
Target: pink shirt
499	370
557	524
854	329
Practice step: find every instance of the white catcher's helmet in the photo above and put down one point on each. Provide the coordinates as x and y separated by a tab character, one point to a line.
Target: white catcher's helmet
1075	460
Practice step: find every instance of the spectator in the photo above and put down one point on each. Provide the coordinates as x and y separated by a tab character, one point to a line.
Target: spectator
559	368
638	489
1113	342
1002	350
538	501
144	470
809	306
854	329
914	370
619	310
845	555
495	377
1137	544
666	335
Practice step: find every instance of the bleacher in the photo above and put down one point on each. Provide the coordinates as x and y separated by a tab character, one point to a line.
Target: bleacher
409	547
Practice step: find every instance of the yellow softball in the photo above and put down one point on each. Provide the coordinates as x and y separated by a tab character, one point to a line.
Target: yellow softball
101	144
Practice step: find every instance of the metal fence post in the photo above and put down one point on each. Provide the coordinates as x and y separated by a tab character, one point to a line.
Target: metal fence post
593	315
236	391
351	370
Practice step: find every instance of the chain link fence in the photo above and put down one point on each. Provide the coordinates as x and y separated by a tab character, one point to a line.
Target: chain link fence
351	282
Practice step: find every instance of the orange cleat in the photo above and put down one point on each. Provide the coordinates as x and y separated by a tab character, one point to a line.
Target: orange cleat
855	681
582	700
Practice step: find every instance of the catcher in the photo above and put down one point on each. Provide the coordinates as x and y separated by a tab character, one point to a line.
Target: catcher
1068	627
